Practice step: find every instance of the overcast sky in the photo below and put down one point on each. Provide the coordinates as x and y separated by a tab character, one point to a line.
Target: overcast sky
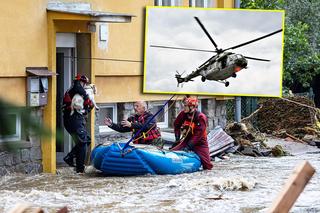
177	27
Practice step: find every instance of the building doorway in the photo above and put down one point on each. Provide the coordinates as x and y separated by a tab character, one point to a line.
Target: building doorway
66	69
73	56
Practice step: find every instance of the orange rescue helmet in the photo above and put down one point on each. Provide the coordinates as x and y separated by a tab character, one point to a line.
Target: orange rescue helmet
191	101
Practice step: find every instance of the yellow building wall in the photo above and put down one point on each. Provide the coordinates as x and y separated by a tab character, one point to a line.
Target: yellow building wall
23	43
12	90
126	42
225	3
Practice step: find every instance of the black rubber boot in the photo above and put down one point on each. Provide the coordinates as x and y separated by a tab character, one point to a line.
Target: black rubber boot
80	157
69	160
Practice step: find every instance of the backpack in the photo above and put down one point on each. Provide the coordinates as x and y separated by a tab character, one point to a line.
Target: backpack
66	101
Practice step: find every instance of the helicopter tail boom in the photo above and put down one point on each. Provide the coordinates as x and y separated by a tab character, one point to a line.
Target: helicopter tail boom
181	80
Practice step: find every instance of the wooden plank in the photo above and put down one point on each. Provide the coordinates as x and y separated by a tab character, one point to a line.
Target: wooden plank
293	187
22	208
27	208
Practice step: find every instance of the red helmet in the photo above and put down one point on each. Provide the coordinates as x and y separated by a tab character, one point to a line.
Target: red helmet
82	78
191	102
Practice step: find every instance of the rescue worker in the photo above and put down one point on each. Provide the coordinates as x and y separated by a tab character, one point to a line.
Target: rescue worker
75	124
192	125
150	133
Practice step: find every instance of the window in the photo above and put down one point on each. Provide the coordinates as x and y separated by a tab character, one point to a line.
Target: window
199	105
201	3
107	110
162	118
168	3
12	130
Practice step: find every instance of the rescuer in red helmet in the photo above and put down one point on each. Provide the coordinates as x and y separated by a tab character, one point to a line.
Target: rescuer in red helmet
190	132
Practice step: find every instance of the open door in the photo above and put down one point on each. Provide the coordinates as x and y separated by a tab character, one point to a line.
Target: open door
73	53
66	72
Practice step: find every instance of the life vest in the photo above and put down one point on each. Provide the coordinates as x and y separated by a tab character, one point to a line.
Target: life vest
148	135
189	125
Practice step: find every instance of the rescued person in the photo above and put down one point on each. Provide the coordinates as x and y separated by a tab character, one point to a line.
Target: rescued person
75	123
191	125
150	134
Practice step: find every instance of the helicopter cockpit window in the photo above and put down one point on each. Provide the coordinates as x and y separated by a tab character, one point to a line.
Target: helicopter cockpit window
233	57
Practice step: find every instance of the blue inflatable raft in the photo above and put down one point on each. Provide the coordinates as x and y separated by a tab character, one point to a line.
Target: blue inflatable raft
112	160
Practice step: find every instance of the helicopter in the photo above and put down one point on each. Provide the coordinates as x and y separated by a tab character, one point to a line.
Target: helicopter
220	66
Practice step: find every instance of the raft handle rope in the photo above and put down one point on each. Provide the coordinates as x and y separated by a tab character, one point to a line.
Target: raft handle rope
140	130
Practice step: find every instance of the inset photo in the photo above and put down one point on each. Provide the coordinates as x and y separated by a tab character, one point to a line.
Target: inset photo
205	51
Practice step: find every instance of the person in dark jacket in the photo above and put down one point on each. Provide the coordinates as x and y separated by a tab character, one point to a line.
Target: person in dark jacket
150	133
190	132
75	123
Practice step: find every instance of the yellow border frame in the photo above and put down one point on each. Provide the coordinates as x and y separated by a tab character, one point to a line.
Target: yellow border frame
203	93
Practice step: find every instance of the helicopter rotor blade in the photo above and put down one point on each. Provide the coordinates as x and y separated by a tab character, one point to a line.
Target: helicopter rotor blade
182	48
206	62
257	59
206	32
254	40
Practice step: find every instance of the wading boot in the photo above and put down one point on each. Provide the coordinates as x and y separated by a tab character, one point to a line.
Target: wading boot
69	160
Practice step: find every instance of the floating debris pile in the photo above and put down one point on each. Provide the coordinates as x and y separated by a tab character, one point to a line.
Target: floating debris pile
249	140
294	118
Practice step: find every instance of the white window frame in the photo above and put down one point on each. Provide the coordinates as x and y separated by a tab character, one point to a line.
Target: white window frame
199	105
164	124
17	135
206	3
105	128
172	3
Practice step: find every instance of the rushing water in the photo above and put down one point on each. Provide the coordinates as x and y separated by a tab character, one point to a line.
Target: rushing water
241	184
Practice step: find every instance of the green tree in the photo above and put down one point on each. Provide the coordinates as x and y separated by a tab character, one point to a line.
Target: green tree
301	41
262	4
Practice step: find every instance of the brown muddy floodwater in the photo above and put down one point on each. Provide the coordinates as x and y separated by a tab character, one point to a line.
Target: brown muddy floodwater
241	184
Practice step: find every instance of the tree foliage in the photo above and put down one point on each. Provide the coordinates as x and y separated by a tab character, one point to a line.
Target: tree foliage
262	4
301	41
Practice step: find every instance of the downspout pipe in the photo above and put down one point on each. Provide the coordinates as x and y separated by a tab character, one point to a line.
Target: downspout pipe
237	116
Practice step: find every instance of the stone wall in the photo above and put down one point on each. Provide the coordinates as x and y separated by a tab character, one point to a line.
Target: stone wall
23	156
216	112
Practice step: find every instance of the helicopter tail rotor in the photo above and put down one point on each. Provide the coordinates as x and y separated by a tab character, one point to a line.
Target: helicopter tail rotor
180	80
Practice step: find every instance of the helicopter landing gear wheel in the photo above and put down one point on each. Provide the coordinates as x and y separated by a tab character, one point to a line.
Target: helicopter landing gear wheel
203	79
226	83
234	75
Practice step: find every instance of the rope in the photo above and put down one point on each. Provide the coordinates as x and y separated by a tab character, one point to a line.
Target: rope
186	134
144	125
315	108
103	59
